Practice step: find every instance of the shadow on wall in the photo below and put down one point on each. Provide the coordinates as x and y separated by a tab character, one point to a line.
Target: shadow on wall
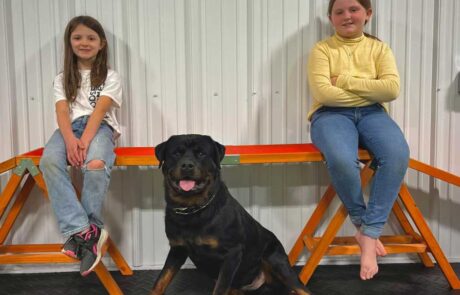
133	188
454	94
280	98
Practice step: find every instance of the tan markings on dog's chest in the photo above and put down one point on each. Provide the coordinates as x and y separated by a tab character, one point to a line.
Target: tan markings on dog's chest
176	242
196	200
209	241
212	242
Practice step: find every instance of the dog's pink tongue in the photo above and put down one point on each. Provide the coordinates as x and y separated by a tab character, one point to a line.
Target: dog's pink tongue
187	185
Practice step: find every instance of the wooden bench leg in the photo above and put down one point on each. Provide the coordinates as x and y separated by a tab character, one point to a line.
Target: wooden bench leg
409	230
312	224
8	192
40	257
107	280
16	209
314	220
120	262
429	238
323	244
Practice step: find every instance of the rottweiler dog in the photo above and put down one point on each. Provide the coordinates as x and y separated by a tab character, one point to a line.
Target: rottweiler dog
204	222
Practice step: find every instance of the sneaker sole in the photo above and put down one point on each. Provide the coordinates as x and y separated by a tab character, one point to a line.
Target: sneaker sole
102	239
69	253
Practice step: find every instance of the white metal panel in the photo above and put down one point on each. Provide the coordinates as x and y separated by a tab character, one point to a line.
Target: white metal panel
447	123
234	69
6	84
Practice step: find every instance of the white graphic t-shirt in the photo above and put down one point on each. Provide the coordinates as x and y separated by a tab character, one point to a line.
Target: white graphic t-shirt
87	97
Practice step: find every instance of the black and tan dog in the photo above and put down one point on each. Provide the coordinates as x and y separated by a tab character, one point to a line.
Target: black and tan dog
204	222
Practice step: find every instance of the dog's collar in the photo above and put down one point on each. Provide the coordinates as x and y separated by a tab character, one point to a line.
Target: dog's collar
194	209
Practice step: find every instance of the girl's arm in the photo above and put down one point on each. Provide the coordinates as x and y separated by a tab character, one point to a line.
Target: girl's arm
71	142
321	87
382	89
102	107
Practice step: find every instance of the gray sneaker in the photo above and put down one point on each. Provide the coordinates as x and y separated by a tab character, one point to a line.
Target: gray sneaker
71	247
91	249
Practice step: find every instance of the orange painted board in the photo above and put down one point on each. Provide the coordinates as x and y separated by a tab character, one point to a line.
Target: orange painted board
7	165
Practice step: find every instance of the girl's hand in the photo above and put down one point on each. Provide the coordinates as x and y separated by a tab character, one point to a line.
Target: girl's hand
334	80
83	148
73	153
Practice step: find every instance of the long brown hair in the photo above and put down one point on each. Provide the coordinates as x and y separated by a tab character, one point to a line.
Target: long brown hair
99	68
364	3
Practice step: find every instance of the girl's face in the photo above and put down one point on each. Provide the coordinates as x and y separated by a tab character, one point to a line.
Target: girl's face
85	43
348	18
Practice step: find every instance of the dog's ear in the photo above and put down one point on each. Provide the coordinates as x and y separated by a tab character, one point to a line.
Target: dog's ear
219	151
160	153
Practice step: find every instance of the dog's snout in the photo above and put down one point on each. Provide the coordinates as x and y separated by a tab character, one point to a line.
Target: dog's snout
187	166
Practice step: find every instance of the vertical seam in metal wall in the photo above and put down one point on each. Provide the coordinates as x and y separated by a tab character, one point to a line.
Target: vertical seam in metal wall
283	94
161	75
10	105
300	70
451	129
221	90
252	74
204	61
434	106
392	41
176	66
188	66
237	81
434	87
452	38
26	92
422	71
143	68
407	73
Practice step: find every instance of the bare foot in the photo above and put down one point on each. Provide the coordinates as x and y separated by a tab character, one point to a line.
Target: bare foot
369	267
380	249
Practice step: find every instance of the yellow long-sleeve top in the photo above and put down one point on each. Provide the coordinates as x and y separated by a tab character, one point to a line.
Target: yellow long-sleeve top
365	69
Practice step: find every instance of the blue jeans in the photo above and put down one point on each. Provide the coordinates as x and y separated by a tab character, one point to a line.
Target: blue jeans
73	216
338	132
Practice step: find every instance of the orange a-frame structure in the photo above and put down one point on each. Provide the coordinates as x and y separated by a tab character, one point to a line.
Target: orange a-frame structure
421	242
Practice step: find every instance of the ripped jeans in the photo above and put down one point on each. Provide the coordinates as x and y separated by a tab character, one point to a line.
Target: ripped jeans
338	132
72	215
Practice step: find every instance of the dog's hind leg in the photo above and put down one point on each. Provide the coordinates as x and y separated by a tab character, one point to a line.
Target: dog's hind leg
278	261
176	258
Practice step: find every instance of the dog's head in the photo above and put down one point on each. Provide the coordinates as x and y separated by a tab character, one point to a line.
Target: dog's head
190	164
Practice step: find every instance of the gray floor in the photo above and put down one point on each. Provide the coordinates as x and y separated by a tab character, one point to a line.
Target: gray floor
407	279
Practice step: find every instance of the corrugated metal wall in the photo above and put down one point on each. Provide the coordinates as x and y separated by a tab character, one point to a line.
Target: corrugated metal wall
233	69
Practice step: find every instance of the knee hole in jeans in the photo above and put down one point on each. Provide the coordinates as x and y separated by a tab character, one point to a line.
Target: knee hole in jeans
95	165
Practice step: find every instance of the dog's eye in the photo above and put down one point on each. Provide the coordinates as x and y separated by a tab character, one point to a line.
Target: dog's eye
200	154
177	154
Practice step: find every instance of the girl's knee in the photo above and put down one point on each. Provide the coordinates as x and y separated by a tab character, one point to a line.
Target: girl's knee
396	158
95	165
400	155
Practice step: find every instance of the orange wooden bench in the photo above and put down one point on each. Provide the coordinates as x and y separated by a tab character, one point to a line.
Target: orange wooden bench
421	242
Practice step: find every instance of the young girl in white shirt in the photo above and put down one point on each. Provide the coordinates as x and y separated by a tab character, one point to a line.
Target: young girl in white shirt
86	93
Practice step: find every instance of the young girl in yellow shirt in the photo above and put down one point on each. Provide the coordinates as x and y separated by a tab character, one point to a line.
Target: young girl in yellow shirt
351	76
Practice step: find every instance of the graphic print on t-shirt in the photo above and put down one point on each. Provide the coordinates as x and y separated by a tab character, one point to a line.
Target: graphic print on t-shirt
94	94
